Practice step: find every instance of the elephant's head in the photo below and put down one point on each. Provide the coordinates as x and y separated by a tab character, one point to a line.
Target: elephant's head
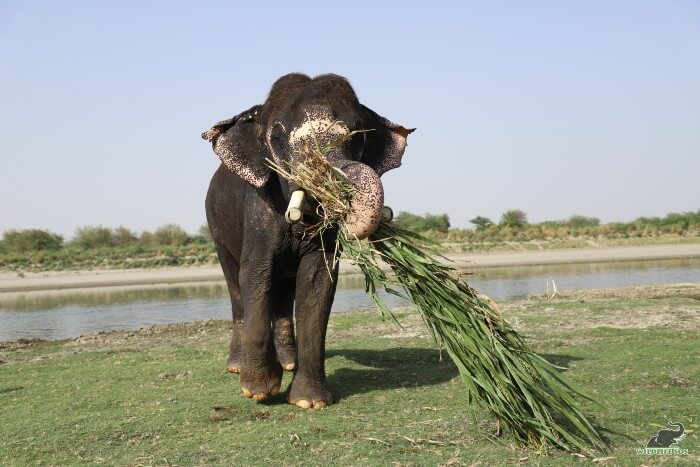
299	109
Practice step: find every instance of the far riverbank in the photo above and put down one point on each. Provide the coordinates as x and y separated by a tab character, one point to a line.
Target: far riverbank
12	282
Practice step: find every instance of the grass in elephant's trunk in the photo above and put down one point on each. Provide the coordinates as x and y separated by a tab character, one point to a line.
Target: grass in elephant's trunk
521	389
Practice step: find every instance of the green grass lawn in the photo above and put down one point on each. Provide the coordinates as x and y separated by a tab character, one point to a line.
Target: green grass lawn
161	395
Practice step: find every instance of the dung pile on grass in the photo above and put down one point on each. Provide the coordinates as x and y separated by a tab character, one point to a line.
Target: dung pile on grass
521	389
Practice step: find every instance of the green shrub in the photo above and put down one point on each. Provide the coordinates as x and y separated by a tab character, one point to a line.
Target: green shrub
576	221
123	236
147	238
438	223
171	234
205	233
515	218
22	241
91	237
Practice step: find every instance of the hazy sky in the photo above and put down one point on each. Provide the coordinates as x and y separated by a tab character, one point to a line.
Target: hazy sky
551	107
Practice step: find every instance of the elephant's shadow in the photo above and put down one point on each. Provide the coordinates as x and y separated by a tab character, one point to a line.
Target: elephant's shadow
398	368
388	369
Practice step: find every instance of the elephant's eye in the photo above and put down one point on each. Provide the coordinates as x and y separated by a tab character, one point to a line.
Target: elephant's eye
356	145
278	140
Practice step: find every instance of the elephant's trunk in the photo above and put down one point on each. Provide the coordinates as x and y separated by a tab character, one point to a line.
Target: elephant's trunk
366	205
680	429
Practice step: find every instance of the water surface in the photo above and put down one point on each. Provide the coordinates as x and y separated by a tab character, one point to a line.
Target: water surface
66	313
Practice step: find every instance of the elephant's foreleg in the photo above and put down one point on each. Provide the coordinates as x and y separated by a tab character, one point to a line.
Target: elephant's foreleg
230	267
314	297
261	373
283	324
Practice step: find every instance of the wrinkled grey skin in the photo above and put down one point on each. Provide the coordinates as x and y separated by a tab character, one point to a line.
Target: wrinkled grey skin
271	269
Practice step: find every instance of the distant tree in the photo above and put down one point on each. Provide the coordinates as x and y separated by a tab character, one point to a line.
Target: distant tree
514	218
408	220
123	236
481	222
437	223
171	234
205	233
147	237
89	237
22	241
576	221
680	220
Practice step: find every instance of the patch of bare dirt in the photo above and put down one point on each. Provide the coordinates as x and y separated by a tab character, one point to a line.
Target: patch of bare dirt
21	344
140	339
689	290
675	306
172	332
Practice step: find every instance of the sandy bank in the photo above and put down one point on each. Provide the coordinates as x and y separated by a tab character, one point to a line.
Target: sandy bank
12	282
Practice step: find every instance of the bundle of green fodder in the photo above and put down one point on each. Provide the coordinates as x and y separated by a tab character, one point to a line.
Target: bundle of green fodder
522	390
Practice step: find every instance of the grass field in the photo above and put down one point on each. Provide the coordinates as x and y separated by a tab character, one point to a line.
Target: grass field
161	396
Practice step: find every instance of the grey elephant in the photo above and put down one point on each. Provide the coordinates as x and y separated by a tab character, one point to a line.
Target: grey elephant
275	274
666	438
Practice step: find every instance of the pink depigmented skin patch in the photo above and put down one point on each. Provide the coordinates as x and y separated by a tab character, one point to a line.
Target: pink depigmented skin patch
232	152
367	202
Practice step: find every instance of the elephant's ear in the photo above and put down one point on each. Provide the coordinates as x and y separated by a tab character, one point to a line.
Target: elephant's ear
238	144
385	143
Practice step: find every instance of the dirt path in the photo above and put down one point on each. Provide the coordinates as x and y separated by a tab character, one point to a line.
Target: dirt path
12	282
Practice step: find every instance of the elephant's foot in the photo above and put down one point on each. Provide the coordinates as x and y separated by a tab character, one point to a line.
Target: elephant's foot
261	384
309	395
284	343
261	396
233	364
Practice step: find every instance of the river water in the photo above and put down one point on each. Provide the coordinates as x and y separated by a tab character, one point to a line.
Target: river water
64	314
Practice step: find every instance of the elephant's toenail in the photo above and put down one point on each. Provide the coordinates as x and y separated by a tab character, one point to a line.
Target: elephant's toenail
320	405
233	369
288	366
247	392
303	403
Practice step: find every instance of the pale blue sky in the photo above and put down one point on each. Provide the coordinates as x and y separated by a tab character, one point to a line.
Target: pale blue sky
551	107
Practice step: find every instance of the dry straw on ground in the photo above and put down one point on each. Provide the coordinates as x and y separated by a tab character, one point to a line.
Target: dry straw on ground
523	391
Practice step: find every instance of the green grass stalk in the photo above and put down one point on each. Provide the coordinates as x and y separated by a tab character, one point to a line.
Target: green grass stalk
522	390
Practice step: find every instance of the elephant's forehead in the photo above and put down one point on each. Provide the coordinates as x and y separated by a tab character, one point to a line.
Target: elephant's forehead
319	123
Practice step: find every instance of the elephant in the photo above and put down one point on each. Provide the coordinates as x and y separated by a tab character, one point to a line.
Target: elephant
278	278
666	438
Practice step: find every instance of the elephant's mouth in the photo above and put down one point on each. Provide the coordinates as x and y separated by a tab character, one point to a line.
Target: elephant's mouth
365	207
